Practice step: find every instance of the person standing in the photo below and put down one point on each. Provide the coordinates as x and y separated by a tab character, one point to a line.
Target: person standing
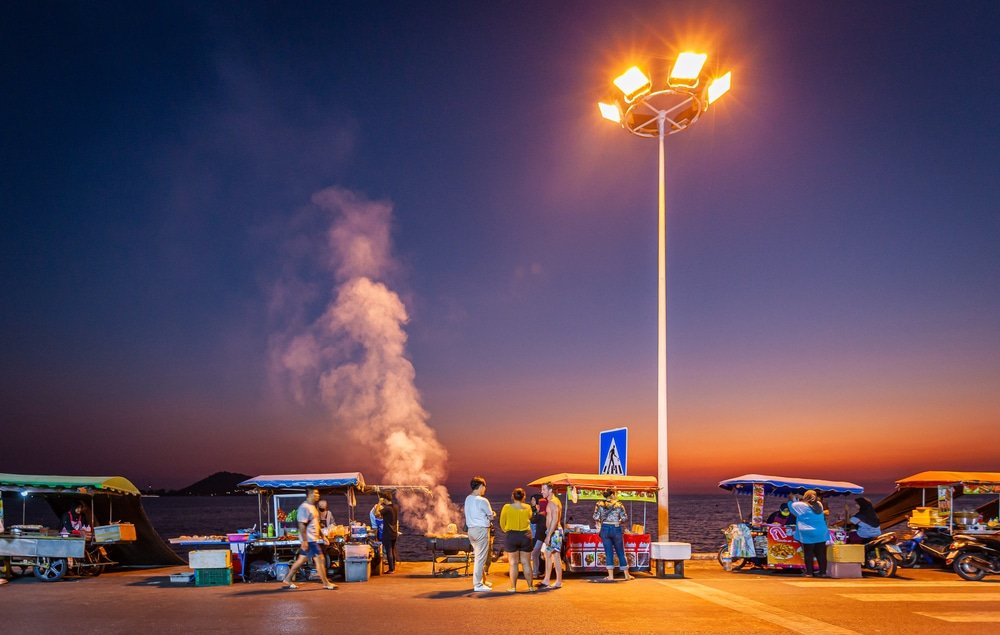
538	504
552	545
325	516
610	516
811	531
390	530
311	538
515	520
479	518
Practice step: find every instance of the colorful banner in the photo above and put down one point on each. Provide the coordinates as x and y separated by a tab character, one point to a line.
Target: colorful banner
586	551
944	502
981	488
623	495
757	517
783	550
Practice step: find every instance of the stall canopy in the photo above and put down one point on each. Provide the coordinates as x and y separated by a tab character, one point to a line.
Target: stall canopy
111	499
81	484
921	489
592	486
338	481
783	485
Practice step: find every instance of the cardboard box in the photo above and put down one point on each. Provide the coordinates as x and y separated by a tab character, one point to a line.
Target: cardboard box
121	532
210	559
843	570
845	553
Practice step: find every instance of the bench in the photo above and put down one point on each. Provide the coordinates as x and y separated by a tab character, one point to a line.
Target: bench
673	552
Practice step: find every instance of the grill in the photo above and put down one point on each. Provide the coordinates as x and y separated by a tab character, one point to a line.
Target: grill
450	554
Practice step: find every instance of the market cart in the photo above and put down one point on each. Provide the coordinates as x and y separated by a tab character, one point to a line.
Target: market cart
752	542
583	551
121	534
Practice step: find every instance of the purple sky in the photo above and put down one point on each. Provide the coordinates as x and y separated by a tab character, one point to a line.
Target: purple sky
834	306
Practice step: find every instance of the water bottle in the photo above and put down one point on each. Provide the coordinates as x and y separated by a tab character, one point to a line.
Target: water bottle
270	530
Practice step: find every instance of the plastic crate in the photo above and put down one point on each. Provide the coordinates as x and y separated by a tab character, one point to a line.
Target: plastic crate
213	577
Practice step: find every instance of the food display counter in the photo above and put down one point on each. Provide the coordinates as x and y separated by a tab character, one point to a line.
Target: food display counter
583	550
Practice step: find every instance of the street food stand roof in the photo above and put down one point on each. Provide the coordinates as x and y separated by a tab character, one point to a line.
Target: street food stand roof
935	478
597	481
783	485
340	480
81	484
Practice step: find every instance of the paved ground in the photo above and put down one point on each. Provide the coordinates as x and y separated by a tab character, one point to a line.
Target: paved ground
709	600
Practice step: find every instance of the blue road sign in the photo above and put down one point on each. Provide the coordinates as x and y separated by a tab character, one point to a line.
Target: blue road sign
614	452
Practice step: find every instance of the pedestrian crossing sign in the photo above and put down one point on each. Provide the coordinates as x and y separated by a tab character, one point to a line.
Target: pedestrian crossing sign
614	452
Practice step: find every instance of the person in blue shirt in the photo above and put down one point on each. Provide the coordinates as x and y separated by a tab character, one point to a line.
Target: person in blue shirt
811	531
866	522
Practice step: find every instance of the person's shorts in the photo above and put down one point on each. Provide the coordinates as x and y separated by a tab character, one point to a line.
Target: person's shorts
517	541
314	550
555	542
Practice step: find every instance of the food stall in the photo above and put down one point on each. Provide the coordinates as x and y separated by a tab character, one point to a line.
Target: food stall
928	501
752	542
121	531
583	551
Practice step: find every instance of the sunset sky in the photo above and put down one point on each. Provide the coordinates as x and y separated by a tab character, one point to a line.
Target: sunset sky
833	234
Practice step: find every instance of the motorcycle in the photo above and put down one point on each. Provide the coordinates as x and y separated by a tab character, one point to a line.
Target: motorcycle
882	555
973	557
925	547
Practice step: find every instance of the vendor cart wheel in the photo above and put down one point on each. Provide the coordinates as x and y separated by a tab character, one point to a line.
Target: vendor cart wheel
967	569
734	563
50	569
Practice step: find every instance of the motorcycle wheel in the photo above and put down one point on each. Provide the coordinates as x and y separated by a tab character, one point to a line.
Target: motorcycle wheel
910	559
734	563
886	564
967	569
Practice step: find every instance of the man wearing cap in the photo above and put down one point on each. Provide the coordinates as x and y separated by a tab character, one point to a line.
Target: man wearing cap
479	518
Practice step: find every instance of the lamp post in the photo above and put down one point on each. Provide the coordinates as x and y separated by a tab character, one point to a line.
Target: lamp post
648	108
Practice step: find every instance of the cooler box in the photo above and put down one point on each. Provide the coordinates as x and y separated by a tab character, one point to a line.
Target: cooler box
845	553
122	532
356	569
213	559
843	570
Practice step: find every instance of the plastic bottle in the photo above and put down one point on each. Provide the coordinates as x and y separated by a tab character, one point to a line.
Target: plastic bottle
270	530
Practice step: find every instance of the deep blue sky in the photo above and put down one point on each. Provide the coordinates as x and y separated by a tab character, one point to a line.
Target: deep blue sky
833	230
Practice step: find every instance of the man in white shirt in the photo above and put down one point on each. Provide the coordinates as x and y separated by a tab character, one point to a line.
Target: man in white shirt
311	537
478	518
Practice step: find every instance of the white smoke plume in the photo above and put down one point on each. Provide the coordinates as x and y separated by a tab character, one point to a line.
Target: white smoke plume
354	358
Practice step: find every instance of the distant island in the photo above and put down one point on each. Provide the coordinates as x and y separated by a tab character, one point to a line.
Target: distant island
218	484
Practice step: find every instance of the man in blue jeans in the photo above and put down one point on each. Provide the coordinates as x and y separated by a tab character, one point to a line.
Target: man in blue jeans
479	518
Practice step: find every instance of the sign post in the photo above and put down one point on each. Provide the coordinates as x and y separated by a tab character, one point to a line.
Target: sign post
614	452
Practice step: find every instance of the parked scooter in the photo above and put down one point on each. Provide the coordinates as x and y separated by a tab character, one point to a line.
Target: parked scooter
882	555
973	557
925	547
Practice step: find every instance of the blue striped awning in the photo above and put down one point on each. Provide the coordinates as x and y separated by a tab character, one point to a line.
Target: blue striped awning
303	481
782	485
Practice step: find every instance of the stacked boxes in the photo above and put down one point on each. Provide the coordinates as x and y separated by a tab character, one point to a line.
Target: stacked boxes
120	532
356	563
844	561
211	568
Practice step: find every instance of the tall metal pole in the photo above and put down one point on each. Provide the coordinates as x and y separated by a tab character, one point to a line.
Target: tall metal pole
662	503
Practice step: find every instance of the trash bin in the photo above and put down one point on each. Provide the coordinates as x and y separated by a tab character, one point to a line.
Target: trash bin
356	569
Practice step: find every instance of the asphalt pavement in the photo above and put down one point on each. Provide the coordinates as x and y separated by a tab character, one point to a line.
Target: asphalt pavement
707	600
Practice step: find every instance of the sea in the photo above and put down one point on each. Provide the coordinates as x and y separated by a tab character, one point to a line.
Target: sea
697	519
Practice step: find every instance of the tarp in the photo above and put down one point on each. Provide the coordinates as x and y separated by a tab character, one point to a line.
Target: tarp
597	481
341	480
82	484
783	485
935	478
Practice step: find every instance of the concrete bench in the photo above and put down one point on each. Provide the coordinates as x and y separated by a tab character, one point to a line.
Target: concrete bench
674	552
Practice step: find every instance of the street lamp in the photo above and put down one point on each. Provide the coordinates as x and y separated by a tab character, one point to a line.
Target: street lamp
648	107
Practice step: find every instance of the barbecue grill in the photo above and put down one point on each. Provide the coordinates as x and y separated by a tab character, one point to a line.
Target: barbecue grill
450	553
